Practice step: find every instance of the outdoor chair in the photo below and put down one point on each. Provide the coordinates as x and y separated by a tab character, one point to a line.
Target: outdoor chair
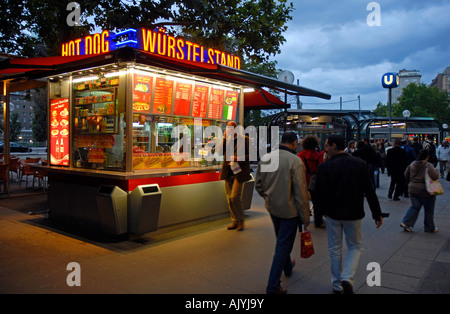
4	176
28	170
14	166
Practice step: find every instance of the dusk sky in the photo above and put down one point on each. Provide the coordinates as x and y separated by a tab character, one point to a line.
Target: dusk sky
331	48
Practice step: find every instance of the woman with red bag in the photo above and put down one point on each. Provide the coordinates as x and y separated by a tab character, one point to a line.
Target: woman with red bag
311	159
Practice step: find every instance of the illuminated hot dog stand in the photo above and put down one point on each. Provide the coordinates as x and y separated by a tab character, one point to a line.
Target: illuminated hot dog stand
115	114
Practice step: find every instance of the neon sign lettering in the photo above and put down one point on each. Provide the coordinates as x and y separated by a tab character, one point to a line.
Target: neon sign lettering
165	45
152	41
91	44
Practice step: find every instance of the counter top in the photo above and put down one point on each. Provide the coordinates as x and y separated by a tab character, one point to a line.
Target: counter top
137	174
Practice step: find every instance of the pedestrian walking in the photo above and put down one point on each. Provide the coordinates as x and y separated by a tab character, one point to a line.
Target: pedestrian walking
396	163
443	156
342	183
311	159
366	152
411	156
419	194
235	171
416	145
351	147
429	145
286	199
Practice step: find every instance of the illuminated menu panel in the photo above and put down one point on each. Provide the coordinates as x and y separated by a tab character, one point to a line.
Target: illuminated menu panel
216	103
162	102
183	96
200	101
59	132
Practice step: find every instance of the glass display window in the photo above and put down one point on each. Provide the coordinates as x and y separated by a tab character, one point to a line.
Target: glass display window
98	114
163	101
174	142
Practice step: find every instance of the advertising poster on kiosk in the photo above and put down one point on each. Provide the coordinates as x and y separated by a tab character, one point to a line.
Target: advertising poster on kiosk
183	95
59	132
229	110
142	93
216	103
162	103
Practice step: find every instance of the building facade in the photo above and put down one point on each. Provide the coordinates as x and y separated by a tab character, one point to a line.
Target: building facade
405	78
442	81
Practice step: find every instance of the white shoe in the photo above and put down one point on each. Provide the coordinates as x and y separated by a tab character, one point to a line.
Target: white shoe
405	227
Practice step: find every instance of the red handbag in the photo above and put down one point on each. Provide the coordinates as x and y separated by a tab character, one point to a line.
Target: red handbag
306	245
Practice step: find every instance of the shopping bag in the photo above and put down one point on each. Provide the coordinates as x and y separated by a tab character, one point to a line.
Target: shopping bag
433	187
306	245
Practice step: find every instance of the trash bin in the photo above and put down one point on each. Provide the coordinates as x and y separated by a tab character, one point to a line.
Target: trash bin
145	202
112	204
247	193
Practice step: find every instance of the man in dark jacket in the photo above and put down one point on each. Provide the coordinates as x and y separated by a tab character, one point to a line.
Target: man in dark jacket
342	182
396	163
235	171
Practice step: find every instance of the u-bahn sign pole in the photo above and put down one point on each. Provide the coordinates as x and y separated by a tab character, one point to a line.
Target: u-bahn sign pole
390	80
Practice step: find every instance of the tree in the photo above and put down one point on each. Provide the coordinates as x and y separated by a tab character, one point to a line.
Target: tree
423	101
381	110
39	124
253	29
14	127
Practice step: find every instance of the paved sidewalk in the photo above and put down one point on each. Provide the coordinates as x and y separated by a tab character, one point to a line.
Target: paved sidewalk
208	259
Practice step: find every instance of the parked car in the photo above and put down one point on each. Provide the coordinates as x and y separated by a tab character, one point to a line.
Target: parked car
15	148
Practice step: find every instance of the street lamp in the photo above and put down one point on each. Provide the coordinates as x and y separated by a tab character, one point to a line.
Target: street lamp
406	114
445	127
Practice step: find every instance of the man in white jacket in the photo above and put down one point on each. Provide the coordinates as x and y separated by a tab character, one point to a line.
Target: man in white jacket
285	192
443	156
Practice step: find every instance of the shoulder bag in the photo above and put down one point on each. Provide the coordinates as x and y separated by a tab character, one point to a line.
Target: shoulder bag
433	187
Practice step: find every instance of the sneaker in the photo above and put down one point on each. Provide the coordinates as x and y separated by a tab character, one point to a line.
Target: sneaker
347	286
405	227
432	231
234	225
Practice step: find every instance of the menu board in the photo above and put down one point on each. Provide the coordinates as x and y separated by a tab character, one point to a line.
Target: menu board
200	101
59	132
183	96
162	103
229	108
142	93
216	103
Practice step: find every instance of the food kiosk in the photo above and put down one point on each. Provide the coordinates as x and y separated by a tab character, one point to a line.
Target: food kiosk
118	105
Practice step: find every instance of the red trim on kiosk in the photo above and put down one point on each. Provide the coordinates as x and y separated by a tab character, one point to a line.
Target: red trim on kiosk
176	180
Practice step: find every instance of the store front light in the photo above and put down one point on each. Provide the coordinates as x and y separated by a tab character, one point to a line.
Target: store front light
84	79
112	74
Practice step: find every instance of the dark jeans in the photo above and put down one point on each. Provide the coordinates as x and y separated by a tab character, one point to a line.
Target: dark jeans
285	231
397	183
413	212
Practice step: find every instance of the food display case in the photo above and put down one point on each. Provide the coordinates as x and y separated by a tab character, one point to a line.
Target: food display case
129	125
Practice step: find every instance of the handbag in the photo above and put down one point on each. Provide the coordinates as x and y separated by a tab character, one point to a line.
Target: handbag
433	187
306	245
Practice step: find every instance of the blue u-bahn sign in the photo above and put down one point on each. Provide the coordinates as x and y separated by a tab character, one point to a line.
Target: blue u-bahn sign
390	80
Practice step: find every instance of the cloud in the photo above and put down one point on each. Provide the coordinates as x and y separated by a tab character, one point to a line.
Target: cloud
331	48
